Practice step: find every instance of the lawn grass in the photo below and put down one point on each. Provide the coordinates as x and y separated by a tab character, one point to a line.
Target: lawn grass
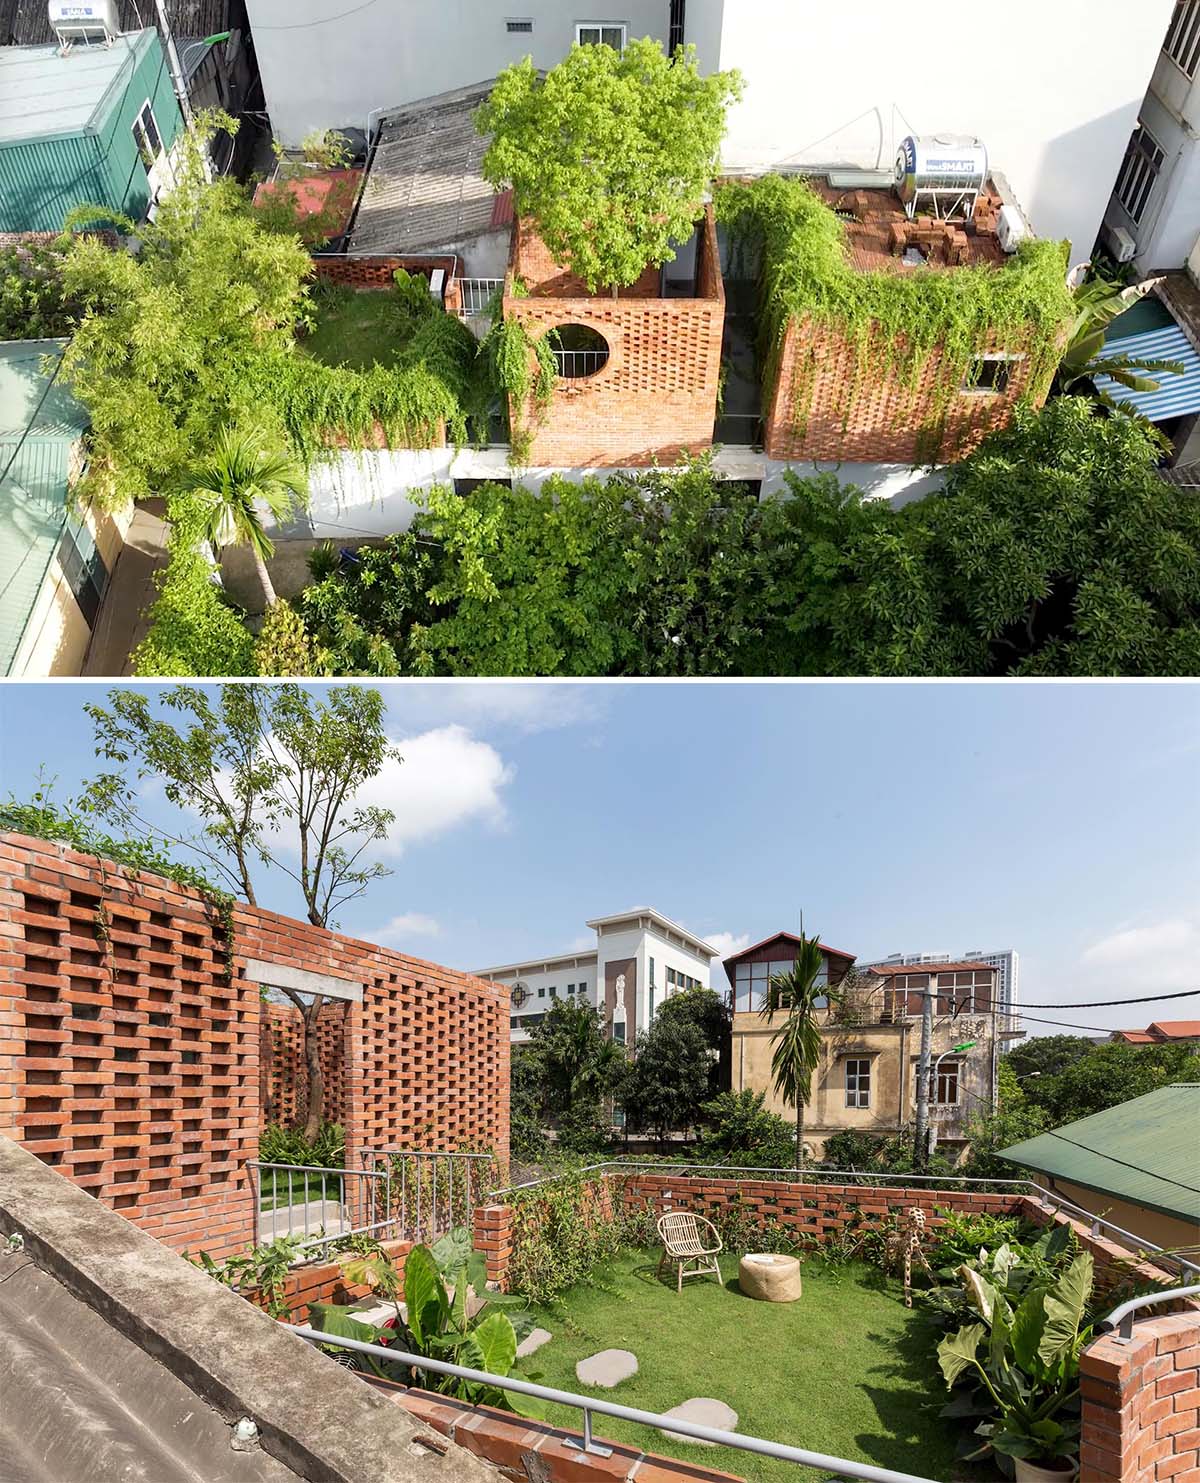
847	1370
358	328
277	1194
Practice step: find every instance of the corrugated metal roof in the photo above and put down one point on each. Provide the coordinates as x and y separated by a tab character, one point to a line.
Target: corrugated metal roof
1146	1151
43	93
39	423
1178	394
424	190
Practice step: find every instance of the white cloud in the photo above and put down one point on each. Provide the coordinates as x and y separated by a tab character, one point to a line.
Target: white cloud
482	705
726	942
445	778
409	924
1161	955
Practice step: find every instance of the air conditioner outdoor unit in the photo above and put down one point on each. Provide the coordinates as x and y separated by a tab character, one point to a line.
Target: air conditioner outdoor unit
1120	243
1010	228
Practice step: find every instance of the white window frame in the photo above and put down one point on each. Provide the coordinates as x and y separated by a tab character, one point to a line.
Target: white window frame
601	27
138	130
857	1096
1139	172
1182	46
969	389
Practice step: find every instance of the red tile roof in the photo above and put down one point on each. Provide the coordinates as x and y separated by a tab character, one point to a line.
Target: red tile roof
1176	1029
786	937
1133	1037
889	969
502	210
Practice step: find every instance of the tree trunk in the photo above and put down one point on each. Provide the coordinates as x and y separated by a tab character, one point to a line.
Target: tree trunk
264	578
799	1134
312	1061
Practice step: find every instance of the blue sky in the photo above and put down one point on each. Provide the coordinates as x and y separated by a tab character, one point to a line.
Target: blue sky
1062	820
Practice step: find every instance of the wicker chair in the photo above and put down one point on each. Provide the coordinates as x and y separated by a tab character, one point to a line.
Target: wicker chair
685	1243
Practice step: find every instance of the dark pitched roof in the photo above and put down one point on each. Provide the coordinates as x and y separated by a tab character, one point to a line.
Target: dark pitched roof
27	22
786	937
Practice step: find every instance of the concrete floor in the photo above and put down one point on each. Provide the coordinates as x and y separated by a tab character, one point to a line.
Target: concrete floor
288	569
120	623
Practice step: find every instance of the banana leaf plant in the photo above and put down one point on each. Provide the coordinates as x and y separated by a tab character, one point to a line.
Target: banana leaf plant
1097	304
436	1319
1025	1361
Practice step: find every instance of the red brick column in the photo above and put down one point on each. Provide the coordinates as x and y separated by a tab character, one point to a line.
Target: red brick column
494	1237
1141	1404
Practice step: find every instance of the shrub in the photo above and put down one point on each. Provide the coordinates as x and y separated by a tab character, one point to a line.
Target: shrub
280	1145
741	1131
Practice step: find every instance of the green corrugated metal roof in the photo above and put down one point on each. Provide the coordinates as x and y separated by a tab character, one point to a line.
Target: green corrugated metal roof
39	422
43	93
1146	1151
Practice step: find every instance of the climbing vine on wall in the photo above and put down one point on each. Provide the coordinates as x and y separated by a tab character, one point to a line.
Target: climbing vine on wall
523	368
893	321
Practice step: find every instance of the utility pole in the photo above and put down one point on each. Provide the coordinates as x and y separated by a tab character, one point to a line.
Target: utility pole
921	1149
177	78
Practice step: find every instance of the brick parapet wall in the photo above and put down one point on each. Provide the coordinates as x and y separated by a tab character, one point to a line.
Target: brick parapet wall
130	1062
377	271
1141	1403
325	1282
655	400
283	1073
876	415
523	1449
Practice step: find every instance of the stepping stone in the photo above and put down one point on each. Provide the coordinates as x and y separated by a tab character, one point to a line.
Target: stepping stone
532	1342
606	1369
701	1410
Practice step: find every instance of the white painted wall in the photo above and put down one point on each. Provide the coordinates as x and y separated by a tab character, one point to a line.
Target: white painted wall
1052	89
321	74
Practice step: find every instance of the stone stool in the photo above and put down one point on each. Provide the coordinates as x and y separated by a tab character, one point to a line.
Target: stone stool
770	1277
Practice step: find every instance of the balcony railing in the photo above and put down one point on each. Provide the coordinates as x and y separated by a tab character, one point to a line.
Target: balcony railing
574	364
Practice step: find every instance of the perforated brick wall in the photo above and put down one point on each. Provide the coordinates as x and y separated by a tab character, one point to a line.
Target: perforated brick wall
283	1073
131	1063
376	271
1141	1403
655	399
874	414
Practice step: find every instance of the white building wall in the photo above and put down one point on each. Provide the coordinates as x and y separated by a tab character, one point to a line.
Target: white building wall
1043	85
320	74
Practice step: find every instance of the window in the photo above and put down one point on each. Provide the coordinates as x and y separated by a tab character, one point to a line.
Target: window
1183	38
518	27
601	33
619	1032
583	986
675	29
651	1001
146	136
83	568
858	1083
651	972
945	1094
469	486
571	989
1143	160
541	993
553	992
989	374
670	978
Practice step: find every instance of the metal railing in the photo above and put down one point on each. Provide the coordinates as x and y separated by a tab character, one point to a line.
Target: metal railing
316	1203
573	364
476	294
588	1405
1122	1318
429	1193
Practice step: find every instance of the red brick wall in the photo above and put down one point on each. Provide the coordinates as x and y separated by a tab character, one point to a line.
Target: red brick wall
875	415
283	1075
376	272
136	1071
1141	1403
655	400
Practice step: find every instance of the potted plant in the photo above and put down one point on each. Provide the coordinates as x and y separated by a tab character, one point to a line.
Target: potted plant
1026	1361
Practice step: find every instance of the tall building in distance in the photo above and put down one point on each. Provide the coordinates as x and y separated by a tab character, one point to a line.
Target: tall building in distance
1006	962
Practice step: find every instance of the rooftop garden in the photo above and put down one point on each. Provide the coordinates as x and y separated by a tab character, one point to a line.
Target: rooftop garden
896	320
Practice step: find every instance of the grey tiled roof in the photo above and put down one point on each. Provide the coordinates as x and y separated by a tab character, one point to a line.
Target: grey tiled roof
424	189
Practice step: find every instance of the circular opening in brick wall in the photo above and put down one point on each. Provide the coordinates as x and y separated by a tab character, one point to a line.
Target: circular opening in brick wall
579	350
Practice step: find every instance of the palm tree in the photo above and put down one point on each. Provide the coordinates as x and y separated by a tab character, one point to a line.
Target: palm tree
798	994
1097	304
240	473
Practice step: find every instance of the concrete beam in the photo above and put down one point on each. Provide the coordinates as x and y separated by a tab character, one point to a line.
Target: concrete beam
316	1417
284	976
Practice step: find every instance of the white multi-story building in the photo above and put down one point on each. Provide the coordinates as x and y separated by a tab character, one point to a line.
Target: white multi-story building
826	86
641	958
1006	962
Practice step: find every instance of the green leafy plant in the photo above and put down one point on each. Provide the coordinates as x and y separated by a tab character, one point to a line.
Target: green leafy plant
1025	1358
263	1270
800	995
34	304
280	1145
1097	304
741	1131
438	1319
610	152
327	148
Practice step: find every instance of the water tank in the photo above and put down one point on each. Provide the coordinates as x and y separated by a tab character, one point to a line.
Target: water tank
941	173
85	22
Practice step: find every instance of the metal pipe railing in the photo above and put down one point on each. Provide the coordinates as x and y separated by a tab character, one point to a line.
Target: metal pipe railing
841	1466
292	1213
430	1191
1123	1319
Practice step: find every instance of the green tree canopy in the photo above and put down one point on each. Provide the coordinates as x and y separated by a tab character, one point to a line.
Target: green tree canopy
170	343
669	1079
1045	1055
610	153
580	1064
1110	1074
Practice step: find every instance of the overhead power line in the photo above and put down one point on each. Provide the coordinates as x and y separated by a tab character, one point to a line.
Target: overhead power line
1108	1003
